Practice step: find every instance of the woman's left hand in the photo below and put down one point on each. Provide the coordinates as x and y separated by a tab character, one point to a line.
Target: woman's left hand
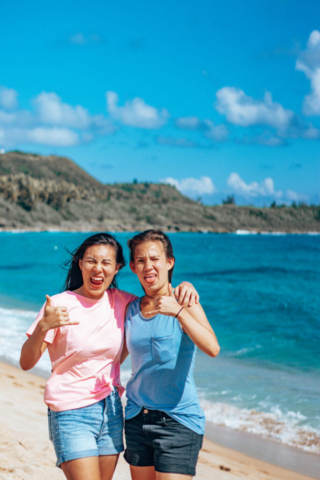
186	295
166	304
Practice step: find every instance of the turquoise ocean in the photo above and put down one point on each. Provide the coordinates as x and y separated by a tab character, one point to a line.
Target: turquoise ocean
261	295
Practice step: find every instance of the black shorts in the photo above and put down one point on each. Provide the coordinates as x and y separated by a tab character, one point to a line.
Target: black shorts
155	439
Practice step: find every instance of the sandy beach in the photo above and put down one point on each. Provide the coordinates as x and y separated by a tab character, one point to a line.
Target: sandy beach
26	452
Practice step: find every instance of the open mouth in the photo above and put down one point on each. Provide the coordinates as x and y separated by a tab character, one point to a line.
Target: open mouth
150	278
96	282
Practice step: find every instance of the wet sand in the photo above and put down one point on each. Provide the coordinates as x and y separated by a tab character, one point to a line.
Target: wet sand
27	454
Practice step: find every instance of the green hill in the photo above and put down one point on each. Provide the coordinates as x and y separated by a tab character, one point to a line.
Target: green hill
51	192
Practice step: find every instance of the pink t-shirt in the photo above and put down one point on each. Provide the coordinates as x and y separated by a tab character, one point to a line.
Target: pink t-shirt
85	358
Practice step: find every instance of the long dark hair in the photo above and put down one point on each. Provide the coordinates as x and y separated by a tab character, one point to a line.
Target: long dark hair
74	278
152	236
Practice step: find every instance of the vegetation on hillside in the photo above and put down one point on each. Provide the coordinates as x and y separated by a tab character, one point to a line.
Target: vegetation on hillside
43	192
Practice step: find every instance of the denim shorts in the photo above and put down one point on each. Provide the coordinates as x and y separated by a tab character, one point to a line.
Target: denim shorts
89	431
153	438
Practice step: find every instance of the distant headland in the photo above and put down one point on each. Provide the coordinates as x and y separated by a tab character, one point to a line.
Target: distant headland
40	193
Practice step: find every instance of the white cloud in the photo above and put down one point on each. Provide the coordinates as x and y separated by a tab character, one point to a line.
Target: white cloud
189	123
7	117
136	113
253	189
311	133
52	122
62	137
216	132
200	186
8	98
270	141
309	63
17	118
177	142
266	138
293	196
11	136
51	110
81	39
245	111
210	130
78	39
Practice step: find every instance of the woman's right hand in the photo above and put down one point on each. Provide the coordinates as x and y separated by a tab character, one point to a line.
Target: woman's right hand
33	348
54	317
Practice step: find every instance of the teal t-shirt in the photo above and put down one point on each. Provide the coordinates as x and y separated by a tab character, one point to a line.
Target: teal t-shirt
163	360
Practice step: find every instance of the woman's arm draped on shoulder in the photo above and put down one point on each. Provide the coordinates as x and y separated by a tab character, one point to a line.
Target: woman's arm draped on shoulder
186	294
193	321
33	348
124	295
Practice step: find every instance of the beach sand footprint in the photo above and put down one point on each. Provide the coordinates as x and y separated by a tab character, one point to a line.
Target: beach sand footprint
18	384
207	462
225	469
20	443
7	470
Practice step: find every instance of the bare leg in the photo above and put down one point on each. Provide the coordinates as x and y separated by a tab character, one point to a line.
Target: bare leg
93	468
172	476
142	473
82	469
108	465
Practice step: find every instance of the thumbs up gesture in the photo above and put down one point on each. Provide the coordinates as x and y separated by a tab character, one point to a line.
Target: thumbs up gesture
48	303
165	304
55	317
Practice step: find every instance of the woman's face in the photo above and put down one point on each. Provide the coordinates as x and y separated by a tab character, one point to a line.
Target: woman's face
98	267
151	265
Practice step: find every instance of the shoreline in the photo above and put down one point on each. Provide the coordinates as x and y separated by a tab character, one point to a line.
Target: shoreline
266	450
223	448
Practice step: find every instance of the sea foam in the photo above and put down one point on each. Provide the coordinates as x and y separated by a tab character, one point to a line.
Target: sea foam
13	327
284	427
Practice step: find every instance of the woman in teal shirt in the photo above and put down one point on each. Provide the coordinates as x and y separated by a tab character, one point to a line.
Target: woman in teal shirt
164	421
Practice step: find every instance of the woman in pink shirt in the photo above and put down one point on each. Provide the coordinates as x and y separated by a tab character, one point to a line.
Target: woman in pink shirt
83	329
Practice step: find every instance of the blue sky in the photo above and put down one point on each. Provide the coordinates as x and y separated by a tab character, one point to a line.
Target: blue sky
216	98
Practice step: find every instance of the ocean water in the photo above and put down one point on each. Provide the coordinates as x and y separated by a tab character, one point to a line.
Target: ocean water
261	295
